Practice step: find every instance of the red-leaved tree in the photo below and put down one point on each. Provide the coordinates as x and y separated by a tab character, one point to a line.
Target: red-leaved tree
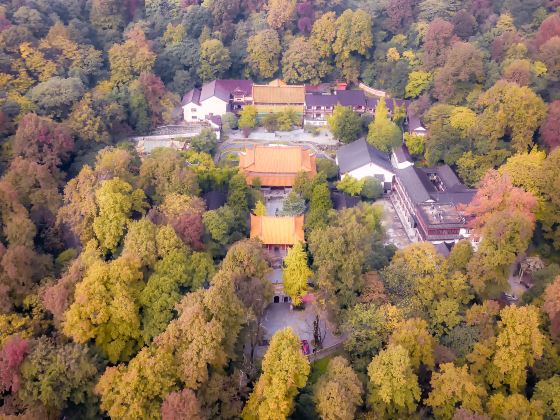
11	357
550	130
189	228
550	27
43	141
181	406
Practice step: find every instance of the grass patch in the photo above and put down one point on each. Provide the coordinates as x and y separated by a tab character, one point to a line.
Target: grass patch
319	367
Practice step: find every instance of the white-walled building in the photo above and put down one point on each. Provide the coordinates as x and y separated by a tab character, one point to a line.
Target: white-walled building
216	98
360	159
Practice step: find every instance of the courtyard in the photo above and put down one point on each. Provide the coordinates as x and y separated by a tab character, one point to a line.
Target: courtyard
280	315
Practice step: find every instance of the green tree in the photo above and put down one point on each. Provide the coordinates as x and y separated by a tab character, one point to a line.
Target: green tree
418	82
58	376
353	37
165	172
383	133
214	60
263	53
296	273
285	370
302	63
453	387
319	206
260	209
345	124
293	205
510	108
248	117
205	142
131	58
338	392
393	386
371	188
350	185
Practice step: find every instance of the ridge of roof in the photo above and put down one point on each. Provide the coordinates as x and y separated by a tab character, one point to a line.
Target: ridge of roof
359	153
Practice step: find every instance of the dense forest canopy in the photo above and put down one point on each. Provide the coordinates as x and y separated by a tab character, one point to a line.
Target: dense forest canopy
123	295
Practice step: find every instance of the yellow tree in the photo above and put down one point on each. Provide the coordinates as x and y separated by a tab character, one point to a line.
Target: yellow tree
296	273
131	58
518	345
394	390
285	370
454	387
338	392
413	335
106	308
514	407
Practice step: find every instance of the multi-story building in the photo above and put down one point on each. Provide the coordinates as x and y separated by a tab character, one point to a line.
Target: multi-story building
216	98
431	201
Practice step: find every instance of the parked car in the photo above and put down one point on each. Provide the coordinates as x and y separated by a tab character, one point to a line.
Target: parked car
305	347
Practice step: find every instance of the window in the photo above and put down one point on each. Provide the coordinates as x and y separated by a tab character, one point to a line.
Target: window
194	117
193	109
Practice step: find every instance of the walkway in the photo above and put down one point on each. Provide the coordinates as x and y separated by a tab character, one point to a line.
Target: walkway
394	229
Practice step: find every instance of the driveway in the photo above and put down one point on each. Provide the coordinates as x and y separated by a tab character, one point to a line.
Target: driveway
394	229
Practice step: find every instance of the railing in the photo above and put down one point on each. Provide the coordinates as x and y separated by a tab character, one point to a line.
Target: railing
321	354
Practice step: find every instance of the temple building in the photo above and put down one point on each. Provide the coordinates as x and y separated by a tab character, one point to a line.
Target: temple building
276	166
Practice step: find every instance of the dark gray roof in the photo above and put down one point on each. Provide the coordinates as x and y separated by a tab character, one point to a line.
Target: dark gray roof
316	99
412	183
442	248
351	97
192	96
402	154
417	183
360	153
223	89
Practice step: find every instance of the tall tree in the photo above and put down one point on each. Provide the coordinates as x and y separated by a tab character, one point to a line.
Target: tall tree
296	273
263	53
384	133
550	130
214	60
285	370
345	124
354	37
131	58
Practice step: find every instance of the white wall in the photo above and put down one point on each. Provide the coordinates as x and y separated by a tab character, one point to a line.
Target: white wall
193	112
372	170
215	106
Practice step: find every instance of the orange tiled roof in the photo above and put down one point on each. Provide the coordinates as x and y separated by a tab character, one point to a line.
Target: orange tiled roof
276	166
276	92
277	230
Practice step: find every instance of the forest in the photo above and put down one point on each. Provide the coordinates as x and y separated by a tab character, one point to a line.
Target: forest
122	296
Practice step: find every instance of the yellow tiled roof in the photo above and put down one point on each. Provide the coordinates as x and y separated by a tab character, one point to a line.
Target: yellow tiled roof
276	166
277	230
277	93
